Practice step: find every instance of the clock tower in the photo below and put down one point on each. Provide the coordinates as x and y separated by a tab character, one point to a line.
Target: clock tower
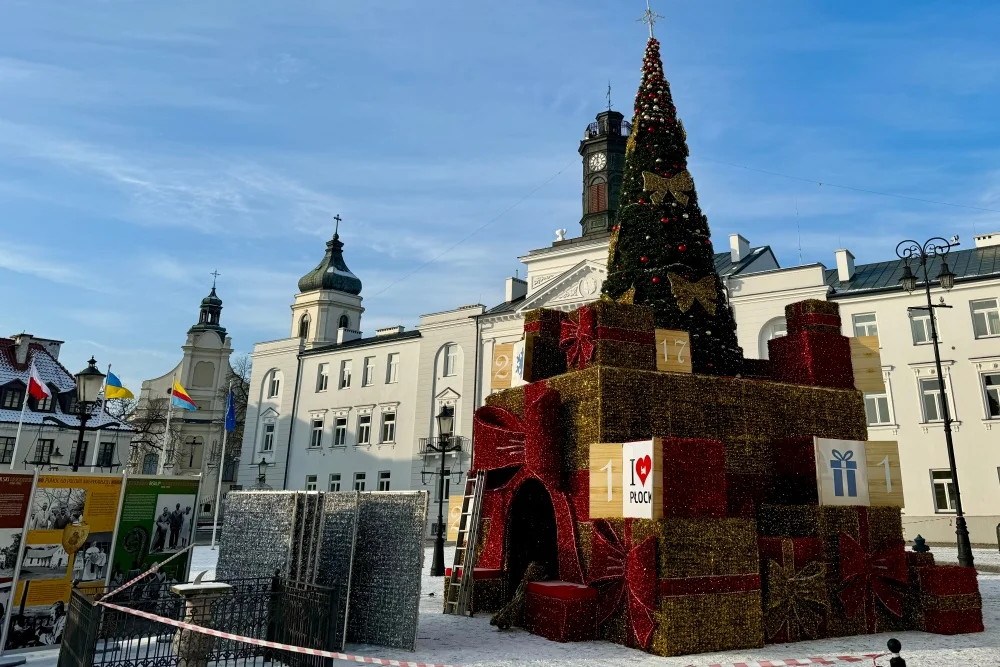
603	152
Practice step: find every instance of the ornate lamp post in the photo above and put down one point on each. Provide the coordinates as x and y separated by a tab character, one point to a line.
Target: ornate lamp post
88	386
922	254
262	474
445	445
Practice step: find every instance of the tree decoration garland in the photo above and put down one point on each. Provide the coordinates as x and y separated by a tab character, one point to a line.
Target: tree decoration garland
660	230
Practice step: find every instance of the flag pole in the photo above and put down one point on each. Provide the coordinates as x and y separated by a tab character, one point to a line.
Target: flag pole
104	410
20	424
166	436
222	463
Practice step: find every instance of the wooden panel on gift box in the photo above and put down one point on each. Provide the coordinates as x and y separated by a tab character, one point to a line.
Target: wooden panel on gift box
867	363
673	351
642	498
503	366
885	483
606	466
454	515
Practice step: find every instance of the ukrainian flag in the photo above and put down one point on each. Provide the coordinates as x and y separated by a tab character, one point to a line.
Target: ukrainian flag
113	388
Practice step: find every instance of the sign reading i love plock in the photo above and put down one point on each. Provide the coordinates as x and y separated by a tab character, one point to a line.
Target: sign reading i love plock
626	480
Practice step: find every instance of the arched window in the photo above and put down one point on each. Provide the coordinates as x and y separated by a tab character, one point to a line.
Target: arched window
345	322
304	327
204	374
598	196
775	328
149	464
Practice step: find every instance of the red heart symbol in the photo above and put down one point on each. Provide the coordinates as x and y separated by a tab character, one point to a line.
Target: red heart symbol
643	467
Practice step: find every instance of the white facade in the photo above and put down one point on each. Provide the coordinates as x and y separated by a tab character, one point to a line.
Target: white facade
330	409
908	411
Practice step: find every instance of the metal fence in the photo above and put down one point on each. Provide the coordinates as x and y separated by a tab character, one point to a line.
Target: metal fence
266	608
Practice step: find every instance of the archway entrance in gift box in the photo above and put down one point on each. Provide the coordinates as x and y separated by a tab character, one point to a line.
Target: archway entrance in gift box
531	533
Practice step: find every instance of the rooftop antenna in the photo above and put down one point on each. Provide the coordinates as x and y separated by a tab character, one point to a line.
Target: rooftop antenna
336	229
649	18
215	274
798	228
609	95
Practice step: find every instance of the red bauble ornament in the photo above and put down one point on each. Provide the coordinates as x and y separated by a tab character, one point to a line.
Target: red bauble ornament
656	280
615	228
664	220
650	129
644	259
682	247
642	201
708	241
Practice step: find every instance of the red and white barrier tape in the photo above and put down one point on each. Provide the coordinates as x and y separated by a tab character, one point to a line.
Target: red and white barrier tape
793	662
261	642
150	571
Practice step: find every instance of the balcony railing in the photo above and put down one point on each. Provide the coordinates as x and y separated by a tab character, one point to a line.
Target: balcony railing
602	128
457	443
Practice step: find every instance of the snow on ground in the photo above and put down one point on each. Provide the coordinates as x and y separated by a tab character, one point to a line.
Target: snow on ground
986	559
473	641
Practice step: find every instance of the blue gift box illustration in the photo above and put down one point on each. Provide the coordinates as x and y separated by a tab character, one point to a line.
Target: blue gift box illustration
843	465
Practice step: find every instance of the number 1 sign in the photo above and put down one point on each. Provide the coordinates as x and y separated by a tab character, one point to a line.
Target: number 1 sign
626	480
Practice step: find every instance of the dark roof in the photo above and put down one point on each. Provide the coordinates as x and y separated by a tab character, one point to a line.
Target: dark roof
724	266
967	265
212	299
363	342
331	273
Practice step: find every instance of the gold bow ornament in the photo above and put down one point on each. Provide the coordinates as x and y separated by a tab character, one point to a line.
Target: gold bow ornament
795	600
687	292
678	185
73	537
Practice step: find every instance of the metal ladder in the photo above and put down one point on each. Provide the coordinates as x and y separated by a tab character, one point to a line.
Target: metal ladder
465	547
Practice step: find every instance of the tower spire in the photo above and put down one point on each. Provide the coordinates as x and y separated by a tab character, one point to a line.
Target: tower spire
649	17
609	95
215	274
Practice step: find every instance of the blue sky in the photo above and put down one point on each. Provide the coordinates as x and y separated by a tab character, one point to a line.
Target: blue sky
144	144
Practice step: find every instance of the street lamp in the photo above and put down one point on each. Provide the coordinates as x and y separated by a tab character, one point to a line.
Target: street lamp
922	253
88	386
446	444
262	474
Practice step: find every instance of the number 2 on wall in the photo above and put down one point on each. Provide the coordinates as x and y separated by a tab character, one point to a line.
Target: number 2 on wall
888	477
610	477
502	364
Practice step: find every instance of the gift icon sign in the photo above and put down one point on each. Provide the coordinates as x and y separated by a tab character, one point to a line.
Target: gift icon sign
842	466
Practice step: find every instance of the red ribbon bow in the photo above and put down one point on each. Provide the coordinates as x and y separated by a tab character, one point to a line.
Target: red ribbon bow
577	338
505	440
862	572
615	569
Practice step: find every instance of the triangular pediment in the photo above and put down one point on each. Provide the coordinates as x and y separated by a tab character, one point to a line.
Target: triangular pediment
270	412
573	288
448	394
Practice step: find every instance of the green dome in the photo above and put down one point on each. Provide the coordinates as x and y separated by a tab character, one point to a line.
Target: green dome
331	273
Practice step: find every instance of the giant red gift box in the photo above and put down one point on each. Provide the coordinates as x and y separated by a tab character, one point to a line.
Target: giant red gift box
561	611
949	599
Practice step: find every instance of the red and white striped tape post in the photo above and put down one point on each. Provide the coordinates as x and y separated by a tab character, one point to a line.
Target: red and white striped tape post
800	662
148	572
261	642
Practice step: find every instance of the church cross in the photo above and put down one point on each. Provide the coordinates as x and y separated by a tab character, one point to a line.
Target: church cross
609	96
649	17
336	229
215	274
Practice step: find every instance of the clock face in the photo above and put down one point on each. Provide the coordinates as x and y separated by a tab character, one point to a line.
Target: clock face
598	161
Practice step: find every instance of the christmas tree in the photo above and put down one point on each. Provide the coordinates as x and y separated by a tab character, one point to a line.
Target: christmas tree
661	254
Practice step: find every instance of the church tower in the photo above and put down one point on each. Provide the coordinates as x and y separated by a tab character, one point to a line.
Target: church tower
328	306
603	152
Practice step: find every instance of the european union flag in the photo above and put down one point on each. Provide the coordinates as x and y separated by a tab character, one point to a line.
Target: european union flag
230	412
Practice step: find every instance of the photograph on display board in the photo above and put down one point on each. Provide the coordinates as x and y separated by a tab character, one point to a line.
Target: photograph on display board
174	521
71	521
10	545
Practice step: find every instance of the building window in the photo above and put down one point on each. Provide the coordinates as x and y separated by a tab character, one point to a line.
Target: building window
83	455
447	484
877	408
776	328
267	442
6	450
598	197
310	482
991	387
322	377
150	462
388	427
105	457
43	451
316	436
392	369
229	470
335	482
345	374
865	324
383	480
364	429
920	327
359	481
944	491
985	318
273	386
45	405
368	378
344	323
12	399
451	359
304	327
930	399
340	432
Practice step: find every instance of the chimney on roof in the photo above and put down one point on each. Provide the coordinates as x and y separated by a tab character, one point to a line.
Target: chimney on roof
986	240
389	331
22	342
845	265
739	248
344	334
515	289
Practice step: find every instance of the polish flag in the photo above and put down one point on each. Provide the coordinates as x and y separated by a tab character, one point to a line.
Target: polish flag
36	387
